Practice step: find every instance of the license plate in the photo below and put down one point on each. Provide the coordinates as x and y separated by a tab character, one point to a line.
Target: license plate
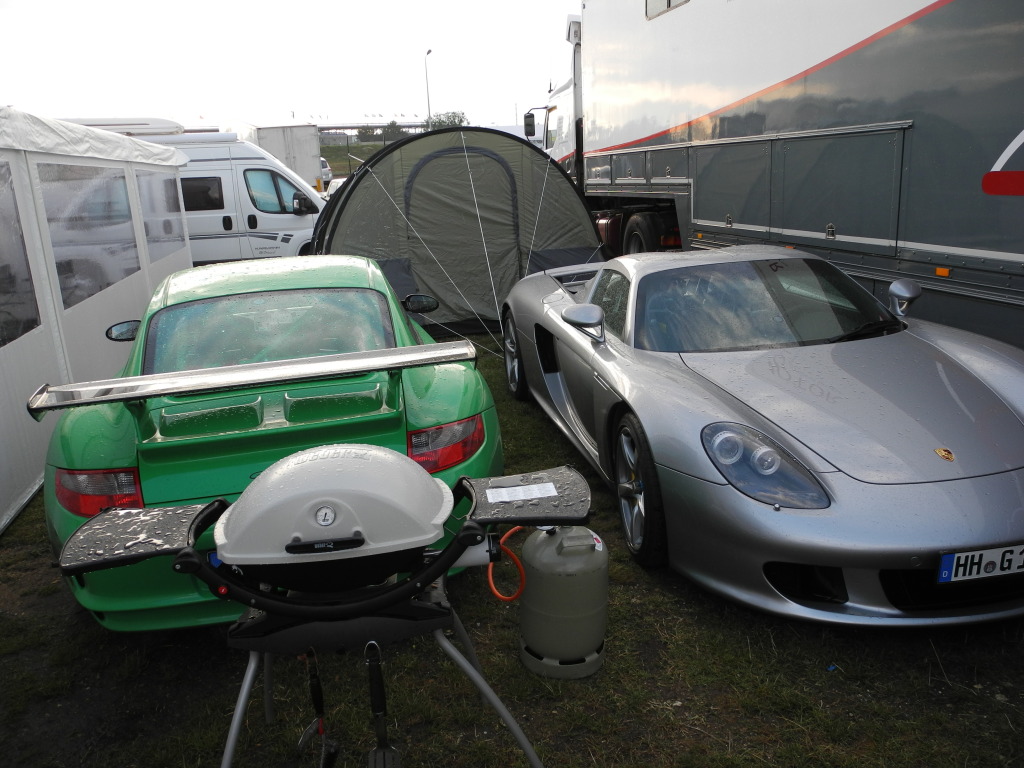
981	563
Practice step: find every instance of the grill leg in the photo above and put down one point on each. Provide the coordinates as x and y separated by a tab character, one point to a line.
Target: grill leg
384	755
490	696
240	704
467	644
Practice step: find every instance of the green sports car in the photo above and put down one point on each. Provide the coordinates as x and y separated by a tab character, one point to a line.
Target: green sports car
234	366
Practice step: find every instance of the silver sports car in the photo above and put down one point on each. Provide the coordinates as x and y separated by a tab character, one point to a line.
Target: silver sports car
781	436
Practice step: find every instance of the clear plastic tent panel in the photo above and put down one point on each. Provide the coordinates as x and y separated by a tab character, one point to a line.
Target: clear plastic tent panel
460	214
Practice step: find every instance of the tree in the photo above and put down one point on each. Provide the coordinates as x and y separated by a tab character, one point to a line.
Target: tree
392	131
366	133
448	120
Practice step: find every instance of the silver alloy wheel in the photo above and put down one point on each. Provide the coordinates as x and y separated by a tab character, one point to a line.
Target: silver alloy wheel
630	488
511	353
515	374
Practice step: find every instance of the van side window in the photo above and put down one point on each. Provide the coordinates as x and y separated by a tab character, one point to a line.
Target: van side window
270	192
203	194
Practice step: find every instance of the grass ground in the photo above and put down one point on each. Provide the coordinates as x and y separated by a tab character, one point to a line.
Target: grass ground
688	679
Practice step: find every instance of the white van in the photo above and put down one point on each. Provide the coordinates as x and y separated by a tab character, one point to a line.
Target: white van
240	201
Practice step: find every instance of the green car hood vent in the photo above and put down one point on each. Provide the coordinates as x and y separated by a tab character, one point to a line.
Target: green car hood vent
48	398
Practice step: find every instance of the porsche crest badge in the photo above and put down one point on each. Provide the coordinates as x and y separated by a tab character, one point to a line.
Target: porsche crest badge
945	453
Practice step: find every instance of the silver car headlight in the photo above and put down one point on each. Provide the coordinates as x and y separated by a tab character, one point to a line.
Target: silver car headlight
762	469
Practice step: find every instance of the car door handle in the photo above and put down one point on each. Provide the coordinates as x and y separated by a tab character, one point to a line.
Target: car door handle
252	221
228	223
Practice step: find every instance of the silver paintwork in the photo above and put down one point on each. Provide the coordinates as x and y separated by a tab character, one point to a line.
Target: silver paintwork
868	417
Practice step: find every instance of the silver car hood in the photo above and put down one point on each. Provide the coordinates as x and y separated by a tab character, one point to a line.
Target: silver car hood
892	409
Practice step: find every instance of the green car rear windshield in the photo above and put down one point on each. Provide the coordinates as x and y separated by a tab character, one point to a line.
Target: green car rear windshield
268	326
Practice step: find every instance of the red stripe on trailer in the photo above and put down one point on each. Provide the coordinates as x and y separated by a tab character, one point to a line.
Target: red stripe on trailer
1003	183
790	80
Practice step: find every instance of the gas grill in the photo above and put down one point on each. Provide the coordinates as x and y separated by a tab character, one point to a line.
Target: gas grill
341	546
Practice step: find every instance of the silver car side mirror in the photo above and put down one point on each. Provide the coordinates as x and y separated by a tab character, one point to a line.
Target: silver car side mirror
588	318
903	293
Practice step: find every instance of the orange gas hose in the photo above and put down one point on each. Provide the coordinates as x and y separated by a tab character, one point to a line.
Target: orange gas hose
514	559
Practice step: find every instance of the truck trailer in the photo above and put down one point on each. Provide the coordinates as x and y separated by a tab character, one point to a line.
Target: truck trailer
297	146
884	135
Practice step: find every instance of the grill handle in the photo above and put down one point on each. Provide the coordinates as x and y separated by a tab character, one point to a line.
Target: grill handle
354	541
224	585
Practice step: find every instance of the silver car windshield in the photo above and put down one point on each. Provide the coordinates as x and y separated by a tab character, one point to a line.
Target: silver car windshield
753	305
268	326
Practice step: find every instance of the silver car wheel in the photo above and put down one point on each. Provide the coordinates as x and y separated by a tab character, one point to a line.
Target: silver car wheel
630	488
636	481
515	374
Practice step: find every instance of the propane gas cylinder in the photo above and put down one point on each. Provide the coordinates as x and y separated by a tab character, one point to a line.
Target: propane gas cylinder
563	611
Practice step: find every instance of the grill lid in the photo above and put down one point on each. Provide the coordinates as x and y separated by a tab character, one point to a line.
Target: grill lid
334	502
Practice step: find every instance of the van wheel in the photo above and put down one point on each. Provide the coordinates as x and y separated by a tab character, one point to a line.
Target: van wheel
640	235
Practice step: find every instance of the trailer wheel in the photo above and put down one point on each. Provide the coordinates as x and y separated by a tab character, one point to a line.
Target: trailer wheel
640	235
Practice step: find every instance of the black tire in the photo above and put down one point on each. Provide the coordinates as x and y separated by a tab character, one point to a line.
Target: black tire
515	373
640	235
639	494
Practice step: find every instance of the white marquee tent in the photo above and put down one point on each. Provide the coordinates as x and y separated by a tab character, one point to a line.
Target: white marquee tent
90	222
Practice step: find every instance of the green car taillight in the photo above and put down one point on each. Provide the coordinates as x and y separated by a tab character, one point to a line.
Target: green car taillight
86	493
438	448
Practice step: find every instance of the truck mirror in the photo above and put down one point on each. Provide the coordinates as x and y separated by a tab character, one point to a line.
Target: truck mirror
529	125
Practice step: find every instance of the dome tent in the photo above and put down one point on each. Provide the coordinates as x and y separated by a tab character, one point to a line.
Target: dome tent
460	214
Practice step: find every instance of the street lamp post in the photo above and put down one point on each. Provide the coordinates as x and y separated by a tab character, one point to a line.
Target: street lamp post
426	76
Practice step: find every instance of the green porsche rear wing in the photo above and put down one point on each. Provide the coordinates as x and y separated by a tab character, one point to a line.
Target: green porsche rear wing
49	398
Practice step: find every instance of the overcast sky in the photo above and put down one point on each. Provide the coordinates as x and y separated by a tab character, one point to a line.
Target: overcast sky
262	62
